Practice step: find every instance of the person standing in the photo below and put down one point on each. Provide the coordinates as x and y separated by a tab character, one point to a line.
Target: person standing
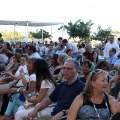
72	47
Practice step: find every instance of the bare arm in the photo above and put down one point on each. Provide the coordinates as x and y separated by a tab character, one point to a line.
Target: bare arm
112	103
60	115
31	88
38	108
114	79
77	103
13	76
40	97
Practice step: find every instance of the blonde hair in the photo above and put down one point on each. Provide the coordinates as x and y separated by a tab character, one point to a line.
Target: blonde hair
88	48
62	57
88	90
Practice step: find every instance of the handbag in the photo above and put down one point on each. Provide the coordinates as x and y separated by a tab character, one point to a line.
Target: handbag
22	97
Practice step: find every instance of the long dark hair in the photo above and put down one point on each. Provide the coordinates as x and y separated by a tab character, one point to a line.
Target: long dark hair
55	57
42	73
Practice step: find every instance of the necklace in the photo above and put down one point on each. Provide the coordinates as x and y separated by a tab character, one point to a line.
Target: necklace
97	110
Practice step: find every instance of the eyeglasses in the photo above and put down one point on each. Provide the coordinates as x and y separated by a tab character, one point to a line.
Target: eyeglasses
111	38
96	71
67	68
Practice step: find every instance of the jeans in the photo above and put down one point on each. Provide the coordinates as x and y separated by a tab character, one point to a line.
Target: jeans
75	55
13	106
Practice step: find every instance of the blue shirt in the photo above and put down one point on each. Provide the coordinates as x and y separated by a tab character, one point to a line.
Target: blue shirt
117	63
60	52
64	95
112	59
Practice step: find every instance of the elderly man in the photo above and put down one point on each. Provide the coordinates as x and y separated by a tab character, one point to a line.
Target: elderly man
63	95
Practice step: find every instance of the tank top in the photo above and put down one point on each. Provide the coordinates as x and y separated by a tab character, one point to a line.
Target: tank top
88	112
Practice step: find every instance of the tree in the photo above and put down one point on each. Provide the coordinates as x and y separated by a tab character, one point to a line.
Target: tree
78	29
102	34
38	34
7	35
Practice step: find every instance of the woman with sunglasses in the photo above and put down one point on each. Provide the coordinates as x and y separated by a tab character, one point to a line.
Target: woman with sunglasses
94	103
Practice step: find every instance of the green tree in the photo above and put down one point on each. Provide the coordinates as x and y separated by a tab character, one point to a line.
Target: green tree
102	34
38	34
78	29
7	35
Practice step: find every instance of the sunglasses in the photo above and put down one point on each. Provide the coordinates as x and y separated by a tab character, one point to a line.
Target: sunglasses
96	71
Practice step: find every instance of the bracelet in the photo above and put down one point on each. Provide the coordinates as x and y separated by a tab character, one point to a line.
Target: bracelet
18	90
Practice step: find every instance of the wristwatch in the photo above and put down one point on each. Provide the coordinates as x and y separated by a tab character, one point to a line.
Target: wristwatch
64	112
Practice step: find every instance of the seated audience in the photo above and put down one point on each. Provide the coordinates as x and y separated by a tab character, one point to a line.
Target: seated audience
63	95
112	57
94	102
85	71
45	84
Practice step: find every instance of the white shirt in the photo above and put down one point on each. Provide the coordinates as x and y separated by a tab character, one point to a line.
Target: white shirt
42	49
35	55
108	46
47	84
19	83
81	51
72	47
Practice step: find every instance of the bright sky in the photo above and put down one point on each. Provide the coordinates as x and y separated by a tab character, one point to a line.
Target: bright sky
102	12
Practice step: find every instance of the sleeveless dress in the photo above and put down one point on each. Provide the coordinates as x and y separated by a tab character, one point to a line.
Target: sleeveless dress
88	112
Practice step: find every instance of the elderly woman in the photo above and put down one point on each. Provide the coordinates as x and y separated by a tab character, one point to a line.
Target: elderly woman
94	103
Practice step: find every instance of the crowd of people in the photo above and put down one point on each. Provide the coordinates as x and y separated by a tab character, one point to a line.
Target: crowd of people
61	80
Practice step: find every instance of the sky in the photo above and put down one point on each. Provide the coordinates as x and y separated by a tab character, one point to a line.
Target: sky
102	12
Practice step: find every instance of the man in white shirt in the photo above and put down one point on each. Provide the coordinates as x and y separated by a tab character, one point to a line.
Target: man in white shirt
110	45
72	47
41	47
31	50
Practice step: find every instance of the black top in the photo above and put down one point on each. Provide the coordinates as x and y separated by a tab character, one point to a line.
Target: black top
64	95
